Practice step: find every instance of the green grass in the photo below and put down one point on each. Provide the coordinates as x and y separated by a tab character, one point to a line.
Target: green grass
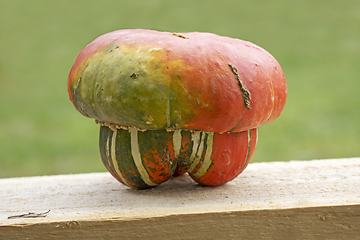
316	42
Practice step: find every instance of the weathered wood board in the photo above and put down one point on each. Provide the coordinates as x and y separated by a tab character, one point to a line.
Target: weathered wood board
317	199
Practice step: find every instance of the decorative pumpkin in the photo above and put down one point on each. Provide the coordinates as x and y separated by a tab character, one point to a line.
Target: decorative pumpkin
170	103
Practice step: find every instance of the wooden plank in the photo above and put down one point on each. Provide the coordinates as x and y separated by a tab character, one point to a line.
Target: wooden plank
317	199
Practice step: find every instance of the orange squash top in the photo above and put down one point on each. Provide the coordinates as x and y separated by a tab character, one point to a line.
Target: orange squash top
160	80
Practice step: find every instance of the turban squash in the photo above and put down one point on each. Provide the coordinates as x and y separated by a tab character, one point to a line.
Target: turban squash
169	103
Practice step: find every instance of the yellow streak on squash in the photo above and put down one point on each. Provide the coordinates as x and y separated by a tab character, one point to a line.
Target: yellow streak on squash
135	151
198	148
177	142
207	159
113	158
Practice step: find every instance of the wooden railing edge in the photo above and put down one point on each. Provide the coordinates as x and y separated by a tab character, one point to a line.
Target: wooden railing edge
317	199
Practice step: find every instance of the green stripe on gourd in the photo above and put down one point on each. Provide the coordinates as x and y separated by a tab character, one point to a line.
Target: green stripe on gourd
135	151
248	151
207	158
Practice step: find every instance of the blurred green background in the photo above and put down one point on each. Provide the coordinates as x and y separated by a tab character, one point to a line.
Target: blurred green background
316	42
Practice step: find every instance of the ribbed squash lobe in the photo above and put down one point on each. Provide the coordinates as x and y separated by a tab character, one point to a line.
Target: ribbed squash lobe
144	159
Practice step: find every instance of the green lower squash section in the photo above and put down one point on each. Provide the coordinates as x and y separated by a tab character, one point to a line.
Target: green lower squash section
144	159
139	159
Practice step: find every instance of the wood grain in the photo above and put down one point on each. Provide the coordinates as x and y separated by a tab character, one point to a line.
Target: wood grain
317	199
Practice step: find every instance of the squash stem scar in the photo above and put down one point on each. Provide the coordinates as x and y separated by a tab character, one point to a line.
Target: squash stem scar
245	92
